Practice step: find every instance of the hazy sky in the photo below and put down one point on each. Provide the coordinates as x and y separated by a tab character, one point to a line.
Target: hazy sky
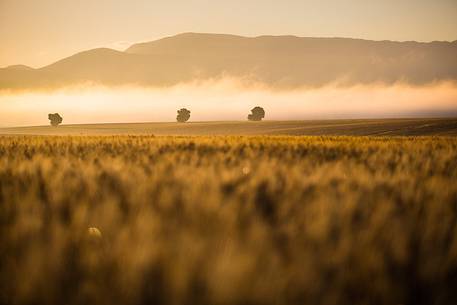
38	32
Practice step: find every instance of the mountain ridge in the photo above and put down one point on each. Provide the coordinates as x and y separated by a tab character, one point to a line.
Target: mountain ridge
277	61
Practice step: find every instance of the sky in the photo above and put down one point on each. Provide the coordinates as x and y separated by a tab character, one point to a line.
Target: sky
39	32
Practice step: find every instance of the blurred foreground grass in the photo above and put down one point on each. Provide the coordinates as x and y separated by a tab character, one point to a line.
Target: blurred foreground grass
228	220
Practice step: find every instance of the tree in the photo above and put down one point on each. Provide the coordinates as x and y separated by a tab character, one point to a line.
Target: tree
183	115
257	114
55	119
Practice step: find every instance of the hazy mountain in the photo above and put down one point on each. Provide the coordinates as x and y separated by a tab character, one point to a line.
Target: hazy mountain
279	61
19	68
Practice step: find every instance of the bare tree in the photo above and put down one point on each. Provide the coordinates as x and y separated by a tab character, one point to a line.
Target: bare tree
183	115
257	114
55	119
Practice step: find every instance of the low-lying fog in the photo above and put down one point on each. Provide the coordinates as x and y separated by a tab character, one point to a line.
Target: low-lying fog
226	100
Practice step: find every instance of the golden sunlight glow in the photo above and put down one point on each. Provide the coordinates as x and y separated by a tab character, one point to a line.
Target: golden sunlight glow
37	33
226	100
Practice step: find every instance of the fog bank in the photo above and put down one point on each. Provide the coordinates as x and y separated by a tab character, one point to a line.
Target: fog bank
226	100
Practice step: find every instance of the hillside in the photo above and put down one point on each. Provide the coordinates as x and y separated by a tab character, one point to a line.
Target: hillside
277	61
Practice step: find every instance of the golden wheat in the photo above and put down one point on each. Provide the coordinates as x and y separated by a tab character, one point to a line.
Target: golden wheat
228	220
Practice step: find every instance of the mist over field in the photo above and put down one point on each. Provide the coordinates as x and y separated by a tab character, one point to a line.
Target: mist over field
226	99
221	77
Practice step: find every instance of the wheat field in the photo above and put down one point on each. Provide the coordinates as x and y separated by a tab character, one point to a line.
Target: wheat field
228	220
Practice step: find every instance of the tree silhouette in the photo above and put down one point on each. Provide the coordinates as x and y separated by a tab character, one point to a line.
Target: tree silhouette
257	114
55	119
183	115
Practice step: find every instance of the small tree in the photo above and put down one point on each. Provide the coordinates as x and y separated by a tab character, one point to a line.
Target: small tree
257	114
183	115
55	119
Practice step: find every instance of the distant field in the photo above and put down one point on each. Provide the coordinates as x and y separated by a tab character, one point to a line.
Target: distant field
373	127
